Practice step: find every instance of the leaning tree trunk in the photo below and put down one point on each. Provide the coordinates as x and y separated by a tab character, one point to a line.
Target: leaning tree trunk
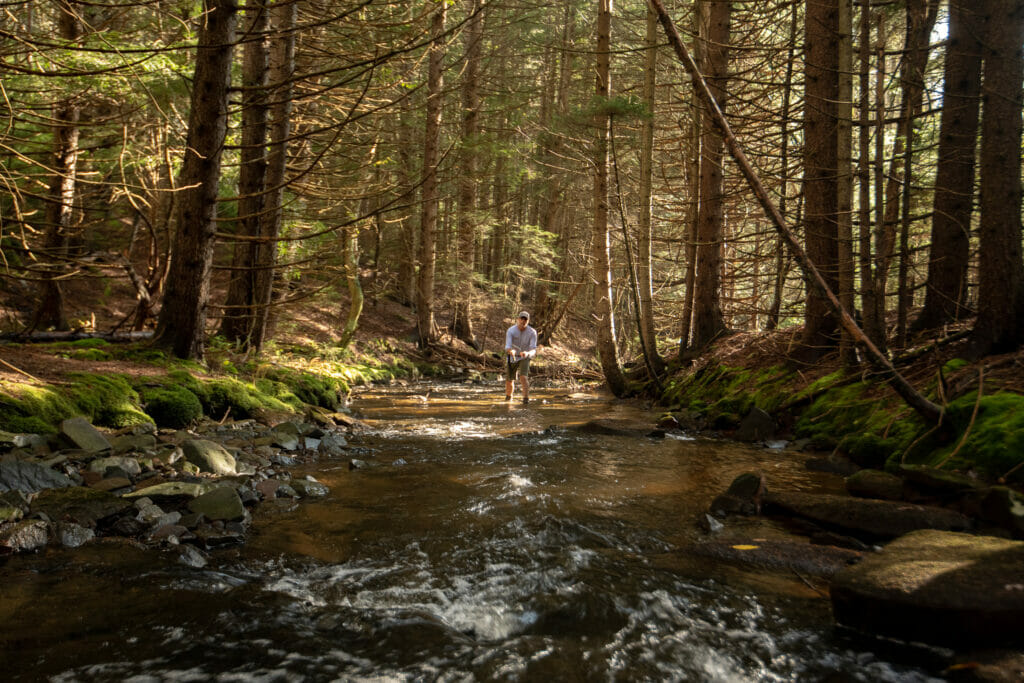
946	287
49	312
182	323
928	410
425	325
603	309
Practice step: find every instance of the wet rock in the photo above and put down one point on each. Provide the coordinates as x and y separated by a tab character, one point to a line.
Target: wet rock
24	536
743	496
1001	506
221	503
309	488
268	488
937	587
191	556
15	499
71	535
929	482
80	505
208	456
283	460
756	426
192	520
287	442
129	465
669	422
170	533
210	536
987	666
833	464
356	464
21	475
112	484
709	524
863	517
615	427
126	526
83	435
148	512
170	492
875	484
813	560
9	513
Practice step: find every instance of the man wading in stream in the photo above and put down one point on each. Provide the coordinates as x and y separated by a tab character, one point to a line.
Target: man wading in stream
520	347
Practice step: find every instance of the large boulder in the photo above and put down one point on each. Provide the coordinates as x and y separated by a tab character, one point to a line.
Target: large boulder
873	519
222	503
209	456
610	426
24	475
875	484
81	434
743	497
756	426
937	587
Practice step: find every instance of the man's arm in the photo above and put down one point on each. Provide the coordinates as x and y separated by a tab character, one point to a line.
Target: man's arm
508	340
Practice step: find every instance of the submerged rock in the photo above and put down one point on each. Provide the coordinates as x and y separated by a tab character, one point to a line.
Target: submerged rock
26	536
71	535
743	496
937	587
875	519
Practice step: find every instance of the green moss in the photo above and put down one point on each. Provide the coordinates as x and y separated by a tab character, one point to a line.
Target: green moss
995	443
90	354
953	365
33	410
88	343
108	400
171	405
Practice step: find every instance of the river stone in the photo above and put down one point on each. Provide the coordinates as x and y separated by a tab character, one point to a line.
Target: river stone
22	475
877	519
937	587
83	435
938	483
209	456
1004	507
615	427
78	504
111	484
128	443
170	491
813	560
987	666
22	537
130	465
756	426
220	503
191	556
743	496
332	444
875	484
285	441
9	513
309	489
72	535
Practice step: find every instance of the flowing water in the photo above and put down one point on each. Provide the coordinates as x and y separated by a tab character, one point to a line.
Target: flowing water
485	541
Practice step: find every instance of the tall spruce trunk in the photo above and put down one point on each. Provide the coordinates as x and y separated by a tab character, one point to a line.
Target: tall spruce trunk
182	323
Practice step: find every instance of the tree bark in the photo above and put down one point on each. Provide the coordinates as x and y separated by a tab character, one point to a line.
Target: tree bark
182	323
603	309
425	326
1000	323
708	321
946	286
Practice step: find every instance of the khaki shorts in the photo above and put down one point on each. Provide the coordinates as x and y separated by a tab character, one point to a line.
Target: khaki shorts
517	368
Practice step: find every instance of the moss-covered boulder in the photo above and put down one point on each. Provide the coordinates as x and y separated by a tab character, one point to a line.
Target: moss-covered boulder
937	587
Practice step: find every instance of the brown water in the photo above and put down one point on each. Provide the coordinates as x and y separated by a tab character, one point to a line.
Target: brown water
486	541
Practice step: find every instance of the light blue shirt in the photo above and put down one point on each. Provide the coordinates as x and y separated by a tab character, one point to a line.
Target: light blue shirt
521	340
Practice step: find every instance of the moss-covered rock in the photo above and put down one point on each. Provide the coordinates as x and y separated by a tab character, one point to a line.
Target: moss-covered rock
171	406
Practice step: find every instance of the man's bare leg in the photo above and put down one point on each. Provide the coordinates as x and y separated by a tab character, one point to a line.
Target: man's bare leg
524	383
508	389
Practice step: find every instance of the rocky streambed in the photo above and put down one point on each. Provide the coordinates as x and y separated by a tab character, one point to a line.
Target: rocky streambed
181	491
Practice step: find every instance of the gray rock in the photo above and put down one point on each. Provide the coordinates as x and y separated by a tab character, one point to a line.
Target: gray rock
25	536
615	427
149	513
209	456
937	587
743	497
873	519
71	535
170	491
83	435
80	505
875	484
309	488
283	460
930	482
129	465
129	443
191	556
221	503
709	524
288	442
786	556
21	475
756	426
356	464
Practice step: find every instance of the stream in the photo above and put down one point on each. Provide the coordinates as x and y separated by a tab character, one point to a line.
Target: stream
484	540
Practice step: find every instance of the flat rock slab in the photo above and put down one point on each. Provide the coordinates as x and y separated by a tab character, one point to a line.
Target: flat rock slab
615	427
83	506
877	519
937	587
22	475
812	560
80	432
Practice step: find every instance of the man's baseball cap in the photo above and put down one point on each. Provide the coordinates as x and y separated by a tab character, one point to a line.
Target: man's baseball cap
524	314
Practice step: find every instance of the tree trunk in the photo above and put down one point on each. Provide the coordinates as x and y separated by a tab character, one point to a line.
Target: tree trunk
49	312
182	323
873	326
603	309
239	305
462	324
946	286
425	326
350	255
645	278
708	322
821	26
844	178
1000	323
